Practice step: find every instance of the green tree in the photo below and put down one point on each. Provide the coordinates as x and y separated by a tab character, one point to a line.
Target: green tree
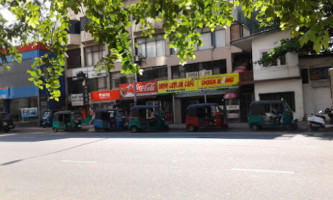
183	20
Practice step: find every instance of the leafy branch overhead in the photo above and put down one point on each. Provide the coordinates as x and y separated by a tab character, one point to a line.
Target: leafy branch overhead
182	22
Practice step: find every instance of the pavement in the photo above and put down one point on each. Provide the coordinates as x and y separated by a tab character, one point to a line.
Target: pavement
302	127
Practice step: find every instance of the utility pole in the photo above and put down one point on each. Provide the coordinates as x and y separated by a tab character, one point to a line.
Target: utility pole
133	51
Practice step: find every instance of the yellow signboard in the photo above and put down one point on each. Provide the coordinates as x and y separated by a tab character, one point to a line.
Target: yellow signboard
177	85
212	82
220	81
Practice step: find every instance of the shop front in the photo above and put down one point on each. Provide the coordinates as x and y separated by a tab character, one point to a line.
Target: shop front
204	89
147	94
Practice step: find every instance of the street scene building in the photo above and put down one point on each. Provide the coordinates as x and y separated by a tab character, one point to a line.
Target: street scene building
19	96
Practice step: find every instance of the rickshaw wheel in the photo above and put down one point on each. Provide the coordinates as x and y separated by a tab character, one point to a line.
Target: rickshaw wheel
255	127
134	129
190	128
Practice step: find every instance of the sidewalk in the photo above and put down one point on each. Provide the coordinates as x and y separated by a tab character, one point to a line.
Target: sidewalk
302	126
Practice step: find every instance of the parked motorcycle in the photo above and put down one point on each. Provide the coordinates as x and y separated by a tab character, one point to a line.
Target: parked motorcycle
316	122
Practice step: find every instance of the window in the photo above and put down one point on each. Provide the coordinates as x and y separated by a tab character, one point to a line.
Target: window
118	78
151	47
92	84
216	67
83	21
289	97
102	83
305	76
74	58
219	38
93	54
154	73
74	27
283	60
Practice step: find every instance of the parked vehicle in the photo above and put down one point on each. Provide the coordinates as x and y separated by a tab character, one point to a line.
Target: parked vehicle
47	119
323	120
145	117
6	122
108	119
271	114
67	120
207	115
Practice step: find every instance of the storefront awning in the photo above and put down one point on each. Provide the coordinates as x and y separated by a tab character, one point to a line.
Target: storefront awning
232	94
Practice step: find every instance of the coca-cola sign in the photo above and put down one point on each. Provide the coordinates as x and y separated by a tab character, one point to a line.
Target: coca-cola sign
142	89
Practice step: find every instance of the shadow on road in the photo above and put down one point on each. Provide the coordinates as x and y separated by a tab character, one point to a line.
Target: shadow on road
50	153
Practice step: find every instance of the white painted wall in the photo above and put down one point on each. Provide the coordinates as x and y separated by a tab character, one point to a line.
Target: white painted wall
312	101
294	85
266	43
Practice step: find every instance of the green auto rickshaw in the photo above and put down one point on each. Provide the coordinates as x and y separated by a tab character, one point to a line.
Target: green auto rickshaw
67	120
271	114
146	117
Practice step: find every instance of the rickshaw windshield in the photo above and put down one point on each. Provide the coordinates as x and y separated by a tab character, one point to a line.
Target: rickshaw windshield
286	106
76	115
46	115
4	116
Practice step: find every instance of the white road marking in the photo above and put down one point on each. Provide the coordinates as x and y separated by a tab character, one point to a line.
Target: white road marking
79	161
262	171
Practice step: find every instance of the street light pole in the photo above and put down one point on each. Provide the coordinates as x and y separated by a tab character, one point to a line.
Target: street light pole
133	50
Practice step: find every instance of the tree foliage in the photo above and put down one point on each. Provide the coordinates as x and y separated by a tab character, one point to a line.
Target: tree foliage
182	22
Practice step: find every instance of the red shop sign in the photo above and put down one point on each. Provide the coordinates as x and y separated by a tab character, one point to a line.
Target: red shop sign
142	89
105	95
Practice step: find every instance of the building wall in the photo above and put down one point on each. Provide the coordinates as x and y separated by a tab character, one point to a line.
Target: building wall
294	85
265	44
317	93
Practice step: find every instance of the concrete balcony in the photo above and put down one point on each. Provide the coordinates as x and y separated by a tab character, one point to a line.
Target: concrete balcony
74	39
86	37
157	26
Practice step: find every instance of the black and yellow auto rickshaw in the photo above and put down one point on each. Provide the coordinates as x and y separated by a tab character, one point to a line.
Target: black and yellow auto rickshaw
147	117
67	120
6	122
271	114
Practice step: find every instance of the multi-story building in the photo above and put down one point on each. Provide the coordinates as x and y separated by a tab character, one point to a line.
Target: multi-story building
302	81
160	64
19	96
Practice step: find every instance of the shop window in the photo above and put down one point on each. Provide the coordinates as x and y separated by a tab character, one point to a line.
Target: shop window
151	47
289	97
74	58
305	76
93	54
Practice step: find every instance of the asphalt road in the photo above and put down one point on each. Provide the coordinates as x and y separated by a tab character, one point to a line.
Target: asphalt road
176	165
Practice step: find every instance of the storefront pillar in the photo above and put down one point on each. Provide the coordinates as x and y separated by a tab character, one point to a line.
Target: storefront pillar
173	108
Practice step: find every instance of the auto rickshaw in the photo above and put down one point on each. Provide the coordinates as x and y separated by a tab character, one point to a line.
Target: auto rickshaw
67	120
206	115
271	114
108	119
146	117
47	119
6	122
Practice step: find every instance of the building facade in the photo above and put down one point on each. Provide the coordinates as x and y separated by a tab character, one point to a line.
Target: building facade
19	96
159	63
